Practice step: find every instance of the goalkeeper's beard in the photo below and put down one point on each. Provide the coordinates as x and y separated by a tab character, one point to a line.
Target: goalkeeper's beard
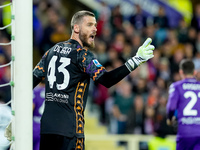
84	39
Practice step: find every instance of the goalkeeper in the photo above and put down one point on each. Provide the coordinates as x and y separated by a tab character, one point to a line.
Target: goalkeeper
67	68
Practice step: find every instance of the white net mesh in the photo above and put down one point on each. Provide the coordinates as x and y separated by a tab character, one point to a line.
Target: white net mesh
5	109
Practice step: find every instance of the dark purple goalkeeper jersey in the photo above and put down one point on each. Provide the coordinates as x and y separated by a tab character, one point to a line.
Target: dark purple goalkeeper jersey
184	96
67	68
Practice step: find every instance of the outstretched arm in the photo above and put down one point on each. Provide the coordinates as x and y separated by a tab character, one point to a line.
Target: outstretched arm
108	79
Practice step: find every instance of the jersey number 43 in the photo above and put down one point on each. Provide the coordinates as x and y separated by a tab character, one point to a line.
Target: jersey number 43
52	69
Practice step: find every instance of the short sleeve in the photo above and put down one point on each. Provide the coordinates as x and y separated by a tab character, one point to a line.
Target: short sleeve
39	70
89	64
173	98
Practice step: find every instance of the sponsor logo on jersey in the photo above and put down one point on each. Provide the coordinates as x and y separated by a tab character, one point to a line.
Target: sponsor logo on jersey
57	97
97	63
190	120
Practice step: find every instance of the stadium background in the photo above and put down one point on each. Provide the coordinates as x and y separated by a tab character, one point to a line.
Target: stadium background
121	30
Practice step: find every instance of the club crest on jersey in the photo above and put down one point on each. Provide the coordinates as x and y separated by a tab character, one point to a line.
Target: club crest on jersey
97	63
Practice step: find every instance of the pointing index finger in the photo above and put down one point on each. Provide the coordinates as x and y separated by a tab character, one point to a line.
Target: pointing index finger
147	42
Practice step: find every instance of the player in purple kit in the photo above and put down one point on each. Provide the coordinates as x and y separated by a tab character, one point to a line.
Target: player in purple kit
38	108
184	96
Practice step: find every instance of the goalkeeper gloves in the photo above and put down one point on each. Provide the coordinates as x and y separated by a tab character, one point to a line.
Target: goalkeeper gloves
8	132
144	53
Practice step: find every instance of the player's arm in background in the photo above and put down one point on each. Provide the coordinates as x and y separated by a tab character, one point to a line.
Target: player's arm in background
39	72
172	104
144	53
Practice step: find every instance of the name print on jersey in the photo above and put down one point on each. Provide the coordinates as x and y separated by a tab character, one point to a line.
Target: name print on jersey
191	86
62	50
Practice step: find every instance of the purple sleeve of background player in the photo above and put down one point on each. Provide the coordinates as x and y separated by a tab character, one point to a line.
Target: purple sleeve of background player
172	100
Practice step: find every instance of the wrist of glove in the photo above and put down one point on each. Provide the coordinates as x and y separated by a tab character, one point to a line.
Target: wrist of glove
144	53
134	62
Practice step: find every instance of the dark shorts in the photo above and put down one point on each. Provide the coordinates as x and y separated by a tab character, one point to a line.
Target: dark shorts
188	143
58	142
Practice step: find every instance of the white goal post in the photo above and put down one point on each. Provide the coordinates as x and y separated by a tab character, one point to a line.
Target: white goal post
22	74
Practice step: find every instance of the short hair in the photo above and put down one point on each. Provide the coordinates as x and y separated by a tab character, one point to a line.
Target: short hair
78	16
187	66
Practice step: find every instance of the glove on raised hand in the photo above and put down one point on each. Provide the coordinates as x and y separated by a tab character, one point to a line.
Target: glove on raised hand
144	53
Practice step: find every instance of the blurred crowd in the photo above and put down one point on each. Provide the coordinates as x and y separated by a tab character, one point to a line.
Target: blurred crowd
137	104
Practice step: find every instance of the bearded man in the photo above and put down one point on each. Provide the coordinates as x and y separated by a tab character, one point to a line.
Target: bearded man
67	68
